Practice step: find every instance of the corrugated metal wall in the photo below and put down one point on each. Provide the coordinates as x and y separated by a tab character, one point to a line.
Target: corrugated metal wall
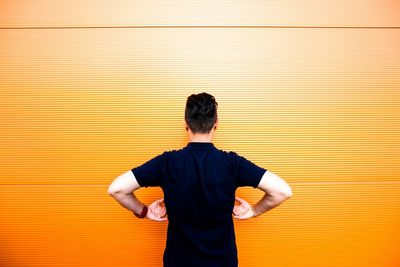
306	89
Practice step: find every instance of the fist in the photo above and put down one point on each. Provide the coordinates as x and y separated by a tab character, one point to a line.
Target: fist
157	211
243	210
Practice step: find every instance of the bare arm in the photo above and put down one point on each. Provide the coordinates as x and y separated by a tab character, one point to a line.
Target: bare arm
276	191
122	190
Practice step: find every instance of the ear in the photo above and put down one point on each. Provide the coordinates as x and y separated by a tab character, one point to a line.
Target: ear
216	124
185	125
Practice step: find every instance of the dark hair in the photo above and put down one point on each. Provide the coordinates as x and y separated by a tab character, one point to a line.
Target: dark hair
201	112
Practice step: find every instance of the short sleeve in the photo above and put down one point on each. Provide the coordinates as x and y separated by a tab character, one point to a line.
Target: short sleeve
149	173
248	173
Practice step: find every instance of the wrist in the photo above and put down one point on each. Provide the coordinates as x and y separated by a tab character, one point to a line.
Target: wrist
143	212
256	210
253	210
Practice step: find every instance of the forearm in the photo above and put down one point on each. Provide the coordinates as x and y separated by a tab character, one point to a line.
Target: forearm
129	201
276	191
268	202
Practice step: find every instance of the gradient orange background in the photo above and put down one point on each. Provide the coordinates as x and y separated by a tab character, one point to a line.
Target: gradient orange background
85	98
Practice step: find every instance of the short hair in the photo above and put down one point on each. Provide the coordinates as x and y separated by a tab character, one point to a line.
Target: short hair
201	112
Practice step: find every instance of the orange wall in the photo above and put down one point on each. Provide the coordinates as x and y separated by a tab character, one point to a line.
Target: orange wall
84	98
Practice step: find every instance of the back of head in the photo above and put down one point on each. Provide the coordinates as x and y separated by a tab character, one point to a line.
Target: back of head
201	112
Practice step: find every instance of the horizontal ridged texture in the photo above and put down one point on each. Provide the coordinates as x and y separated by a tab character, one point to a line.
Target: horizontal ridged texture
317	106
74	13
79	225
310	104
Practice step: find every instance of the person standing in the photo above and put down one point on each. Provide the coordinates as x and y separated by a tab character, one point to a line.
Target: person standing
199	183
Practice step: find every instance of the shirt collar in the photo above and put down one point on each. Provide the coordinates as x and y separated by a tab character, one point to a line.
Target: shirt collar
200	144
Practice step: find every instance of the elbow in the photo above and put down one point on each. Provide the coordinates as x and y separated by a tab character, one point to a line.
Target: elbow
111	191
289	193
285	193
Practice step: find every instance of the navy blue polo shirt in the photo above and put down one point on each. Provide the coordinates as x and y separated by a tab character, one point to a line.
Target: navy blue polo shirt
199	183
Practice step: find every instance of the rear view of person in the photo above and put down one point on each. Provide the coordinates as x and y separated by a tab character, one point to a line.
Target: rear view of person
199	183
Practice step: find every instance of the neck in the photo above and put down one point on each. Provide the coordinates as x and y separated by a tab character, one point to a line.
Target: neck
200	137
